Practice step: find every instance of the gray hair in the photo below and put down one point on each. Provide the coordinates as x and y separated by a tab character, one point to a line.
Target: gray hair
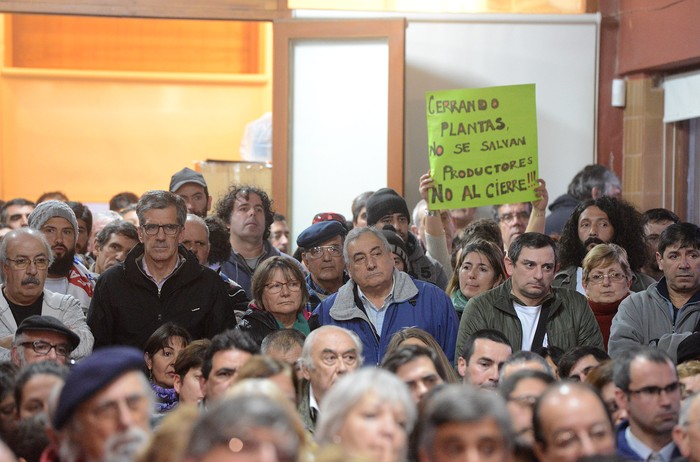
307	361
16	234
347	392
200	221
235	418
416	215
457	403
356	233
158	199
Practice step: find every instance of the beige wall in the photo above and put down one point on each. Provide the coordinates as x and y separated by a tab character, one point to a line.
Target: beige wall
92	135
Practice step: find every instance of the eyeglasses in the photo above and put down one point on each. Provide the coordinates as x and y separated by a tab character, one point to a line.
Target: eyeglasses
22	263
152	229
506	217
613	276
42	348
329	217
317	252
653	391
524	401
276	287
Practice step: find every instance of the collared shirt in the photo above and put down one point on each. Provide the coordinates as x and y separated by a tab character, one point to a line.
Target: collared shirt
376	315
313	404
179	263
665	454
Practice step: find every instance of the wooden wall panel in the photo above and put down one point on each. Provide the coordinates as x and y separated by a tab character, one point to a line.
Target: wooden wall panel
140	45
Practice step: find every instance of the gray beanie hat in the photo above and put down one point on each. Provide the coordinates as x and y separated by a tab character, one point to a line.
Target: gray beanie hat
49	209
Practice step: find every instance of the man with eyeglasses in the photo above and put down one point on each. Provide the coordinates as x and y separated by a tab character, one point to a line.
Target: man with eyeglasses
25	256
66	274
648	389
159	282
43	338
321	247
603	220
668	311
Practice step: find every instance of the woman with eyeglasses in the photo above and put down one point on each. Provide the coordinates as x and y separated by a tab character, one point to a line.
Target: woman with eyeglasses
279	297
607	278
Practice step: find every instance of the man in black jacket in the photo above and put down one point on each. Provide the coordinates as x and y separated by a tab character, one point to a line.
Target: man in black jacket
159	282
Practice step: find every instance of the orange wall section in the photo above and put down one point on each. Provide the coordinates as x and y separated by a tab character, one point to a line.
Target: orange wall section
92	135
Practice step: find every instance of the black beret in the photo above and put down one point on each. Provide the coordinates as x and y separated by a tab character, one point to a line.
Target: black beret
91	375
689	348
385	202
48	323
319	233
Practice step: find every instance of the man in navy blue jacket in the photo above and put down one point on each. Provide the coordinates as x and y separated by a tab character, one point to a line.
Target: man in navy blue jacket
380	300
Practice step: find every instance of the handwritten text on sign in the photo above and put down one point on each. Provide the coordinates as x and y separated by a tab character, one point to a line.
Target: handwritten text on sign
482	145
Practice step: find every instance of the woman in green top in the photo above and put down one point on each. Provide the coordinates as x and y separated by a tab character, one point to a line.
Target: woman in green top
279	298
479	268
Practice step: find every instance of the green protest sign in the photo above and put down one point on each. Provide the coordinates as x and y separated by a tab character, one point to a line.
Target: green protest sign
482	145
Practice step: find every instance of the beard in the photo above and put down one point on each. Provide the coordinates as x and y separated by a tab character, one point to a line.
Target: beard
62	265
123	446
592	242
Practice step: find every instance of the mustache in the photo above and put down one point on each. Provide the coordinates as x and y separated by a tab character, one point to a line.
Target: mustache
592	240
31	280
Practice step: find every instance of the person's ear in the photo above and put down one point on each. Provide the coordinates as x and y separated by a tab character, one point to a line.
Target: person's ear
510	266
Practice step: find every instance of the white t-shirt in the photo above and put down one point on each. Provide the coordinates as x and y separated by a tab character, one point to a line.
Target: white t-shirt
529	316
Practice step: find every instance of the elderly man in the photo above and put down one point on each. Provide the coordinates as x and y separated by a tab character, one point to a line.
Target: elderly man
570	421
159	282
113	244
66	275
15	212
386	207
463	423
104	409
25	256
329	352
482	356
668	311
321	247
686	434
195	237
248	213
648	389
192	187
601	221
526	308
43	338
379	300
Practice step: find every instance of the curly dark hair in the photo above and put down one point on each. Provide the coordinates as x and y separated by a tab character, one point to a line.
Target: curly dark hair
224	207
628	232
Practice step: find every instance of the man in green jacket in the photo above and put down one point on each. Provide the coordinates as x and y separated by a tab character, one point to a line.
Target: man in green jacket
517	306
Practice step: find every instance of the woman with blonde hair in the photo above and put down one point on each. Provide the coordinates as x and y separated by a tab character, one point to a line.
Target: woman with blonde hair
607	278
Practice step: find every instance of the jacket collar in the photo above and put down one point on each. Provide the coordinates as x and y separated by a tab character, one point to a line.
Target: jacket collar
344	307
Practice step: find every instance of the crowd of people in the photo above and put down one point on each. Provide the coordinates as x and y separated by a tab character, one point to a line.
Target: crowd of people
170	330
